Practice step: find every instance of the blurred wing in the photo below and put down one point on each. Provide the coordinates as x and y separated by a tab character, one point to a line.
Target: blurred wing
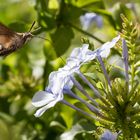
10	41
6	31
6	37
9	44
5	41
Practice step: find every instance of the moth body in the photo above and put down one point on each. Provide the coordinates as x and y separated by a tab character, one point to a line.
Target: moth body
10	41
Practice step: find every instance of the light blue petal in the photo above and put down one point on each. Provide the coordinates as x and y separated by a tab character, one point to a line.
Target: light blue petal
42	98
40	111
105	49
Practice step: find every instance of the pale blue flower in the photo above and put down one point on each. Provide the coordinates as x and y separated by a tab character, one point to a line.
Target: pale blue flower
52	94
57	80
107	135
61	79
104	50
45	100
83	54
89	18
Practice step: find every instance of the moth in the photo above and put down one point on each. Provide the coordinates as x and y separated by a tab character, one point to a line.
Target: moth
10	41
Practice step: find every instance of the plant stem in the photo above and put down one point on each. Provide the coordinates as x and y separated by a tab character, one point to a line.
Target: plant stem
78	109
86	33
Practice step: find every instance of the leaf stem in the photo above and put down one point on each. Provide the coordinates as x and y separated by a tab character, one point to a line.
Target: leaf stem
86	33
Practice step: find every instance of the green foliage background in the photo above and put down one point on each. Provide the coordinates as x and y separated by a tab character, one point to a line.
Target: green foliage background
26	71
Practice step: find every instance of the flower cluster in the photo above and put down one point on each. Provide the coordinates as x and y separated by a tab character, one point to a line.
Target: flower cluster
62	81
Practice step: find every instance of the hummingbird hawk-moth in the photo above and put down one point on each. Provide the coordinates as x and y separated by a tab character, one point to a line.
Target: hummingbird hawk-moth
10	41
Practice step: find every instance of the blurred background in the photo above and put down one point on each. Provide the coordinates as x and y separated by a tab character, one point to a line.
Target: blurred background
67	24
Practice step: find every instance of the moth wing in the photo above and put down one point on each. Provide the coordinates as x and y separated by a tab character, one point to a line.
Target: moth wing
5	30
7	44
5	41
6	36
10	40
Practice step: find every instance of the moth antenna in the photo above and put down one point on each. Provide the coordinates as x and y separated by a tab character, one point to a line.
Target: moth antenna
37	35
36	29
32	26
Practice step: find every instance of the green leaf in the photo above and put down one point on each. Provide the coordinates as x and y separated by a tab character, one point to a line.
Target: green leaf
4	133
62	39
49	51
47	21
57	126
72	13
18	26
93	76
4	71
86	3
67	115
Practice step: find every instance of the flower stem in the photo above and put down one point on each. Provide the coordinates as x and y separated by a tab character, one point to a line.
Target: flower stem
96	92
78	109
104	70
78	85
90	106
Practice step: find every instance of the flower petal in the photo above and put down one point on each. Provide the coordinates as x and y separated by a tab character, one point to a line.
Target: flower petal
56	82
105	49
40	111
89	18
81	55
41	98
107	135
